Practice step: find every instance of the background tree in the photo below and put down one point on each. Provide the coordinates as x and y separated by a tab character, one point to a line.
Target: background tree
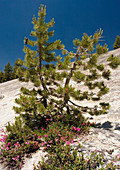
2	77
117	42
16	66
52	95
8	71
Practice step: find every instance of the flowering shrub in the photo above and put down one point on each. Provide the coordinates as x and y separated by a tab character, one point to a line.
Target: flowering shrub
13	152
57	134
65	158
56	140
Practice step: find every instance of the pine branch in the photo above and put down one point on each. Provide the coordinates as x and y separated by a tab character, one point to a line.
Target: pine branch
82	107
74	65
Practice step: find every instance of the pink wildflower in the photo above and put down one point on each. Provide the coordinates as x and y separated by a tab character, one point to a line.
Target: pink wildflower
27	142
71	141
56	139
59	134
7	148
68	143
42	144
39	137
8	143
42	128
74	128
13	158
35	134
48	145
17	144
78	129
46	136
50	141
3	139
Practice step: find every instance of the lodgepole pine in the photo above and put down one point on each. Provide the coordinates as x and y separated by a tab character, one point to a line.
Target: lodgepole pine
52	94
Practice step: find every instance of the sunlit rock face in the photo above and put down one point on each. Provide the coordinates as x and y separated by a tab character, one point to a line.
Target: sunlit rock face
8	92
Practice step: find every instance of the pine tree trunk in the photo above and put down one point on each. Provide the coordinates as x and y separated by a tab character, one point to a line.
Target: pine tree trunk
40	75
72	69
66	99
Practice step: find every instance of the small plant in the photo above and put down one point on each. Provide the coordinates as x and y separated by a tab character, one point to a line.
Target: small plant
117	42
56	134
17	131
115	61
13	151
64	157
15	145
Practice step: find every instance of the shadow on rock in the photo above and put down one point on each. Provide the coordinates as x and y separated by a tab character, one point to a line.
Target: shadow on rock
117	127
1	96
106	125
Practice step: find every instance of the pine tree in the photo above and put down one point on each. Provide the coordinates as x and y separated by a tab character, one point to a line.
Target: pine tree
52	94
2	77
8	70
37	103
16	66
117	42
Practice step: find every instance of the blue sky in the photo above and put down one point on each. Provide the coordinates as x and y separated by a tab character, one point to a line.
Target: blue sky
72	19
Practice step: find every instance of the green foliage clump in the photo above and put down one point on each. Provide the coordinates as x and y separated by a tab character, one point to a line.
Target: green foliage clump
2	77
12	151
114	61
9	72
18	141
17	131
117	42
59	141
64	159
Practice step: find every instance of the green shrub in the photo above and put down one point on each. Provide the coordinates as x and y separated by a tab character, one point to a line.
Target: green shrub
64	158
